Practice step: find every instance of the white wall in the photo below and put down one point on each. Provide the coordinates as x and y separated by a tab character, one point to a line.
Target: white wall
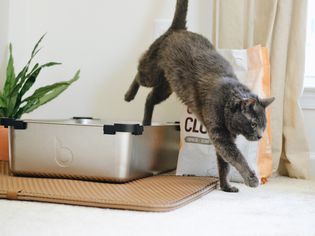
104	38
309	118
4	23
307	102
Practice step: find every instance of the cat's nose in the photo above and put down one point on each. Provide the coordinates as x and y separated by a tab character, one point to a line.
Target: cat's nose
259	136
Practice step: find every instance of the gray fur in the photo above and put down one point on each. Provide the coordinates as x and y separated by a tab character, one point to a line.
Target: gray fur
187	64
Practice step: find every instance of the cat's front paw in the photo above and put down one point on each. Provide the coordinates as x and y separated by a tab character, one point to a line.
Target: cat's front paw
229	189
251	180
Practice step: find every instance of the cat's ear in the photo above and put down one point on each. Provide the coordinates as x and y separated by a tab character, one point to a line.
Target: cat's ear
266	101
247	103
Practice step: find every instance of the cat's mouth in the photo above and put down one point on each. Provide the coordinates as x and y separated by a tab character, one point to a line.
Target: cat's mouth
253	138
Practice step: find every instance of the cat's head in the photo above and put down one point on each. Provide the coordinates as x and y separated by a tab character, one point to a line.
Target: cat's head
249	117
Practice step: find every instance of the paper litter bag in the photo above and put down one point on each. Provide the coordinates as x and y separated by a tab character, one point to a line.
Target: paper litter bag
197	154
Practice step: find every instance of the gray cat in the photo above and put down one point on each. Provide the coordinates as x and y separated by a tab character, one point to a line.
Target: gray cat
187	63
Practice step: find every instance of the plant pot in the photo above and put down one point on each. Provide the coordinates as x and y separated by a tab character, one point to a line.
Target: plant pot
4	146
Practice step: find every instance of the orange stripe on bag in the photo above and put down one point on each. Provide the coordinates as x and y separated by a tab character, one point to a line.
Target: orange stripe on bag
264	160
258	59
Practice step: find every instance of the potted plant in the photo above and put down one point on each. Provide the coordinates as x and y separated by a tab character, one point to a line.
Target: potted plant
13	103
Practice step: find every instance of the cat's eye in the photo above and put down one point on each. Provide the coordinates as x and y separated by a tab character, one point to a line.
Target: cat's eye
254	125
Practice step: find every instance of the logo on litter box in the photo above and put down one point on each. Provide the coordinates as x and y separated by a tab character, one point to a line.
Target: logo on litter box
63	155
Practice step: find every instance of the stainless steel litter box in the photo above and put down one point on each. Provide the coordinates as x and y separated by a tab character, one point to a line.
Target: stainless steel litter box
91	149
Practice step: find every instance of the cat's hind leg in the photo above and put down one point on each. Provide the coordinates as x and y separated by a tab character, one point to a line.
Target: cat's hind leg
133	89
224	169
156	96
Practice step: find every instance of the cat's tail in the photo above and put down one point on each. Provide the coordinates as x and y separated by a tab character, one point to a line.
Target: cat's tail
179	21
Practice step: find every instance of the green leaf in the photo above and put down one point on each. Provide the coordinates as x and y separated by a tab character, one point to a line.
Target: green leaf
17	94
10	80
15	98
35	51
29	82
2	101
32	76
49	64
26	75
21	77
2	112
2	105
22	74
24	71
45	94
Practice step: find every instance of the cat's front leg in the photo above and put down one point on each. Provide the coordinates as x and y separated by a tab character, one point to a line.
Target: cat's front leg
229	152
223	169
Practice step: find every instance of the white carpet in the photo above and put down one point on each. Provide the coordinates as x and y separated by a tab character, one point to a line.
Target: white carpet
282	207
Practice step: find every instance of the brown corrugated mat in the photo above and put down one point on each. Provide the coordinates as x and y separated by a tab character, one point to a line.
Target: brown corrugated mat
156	193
